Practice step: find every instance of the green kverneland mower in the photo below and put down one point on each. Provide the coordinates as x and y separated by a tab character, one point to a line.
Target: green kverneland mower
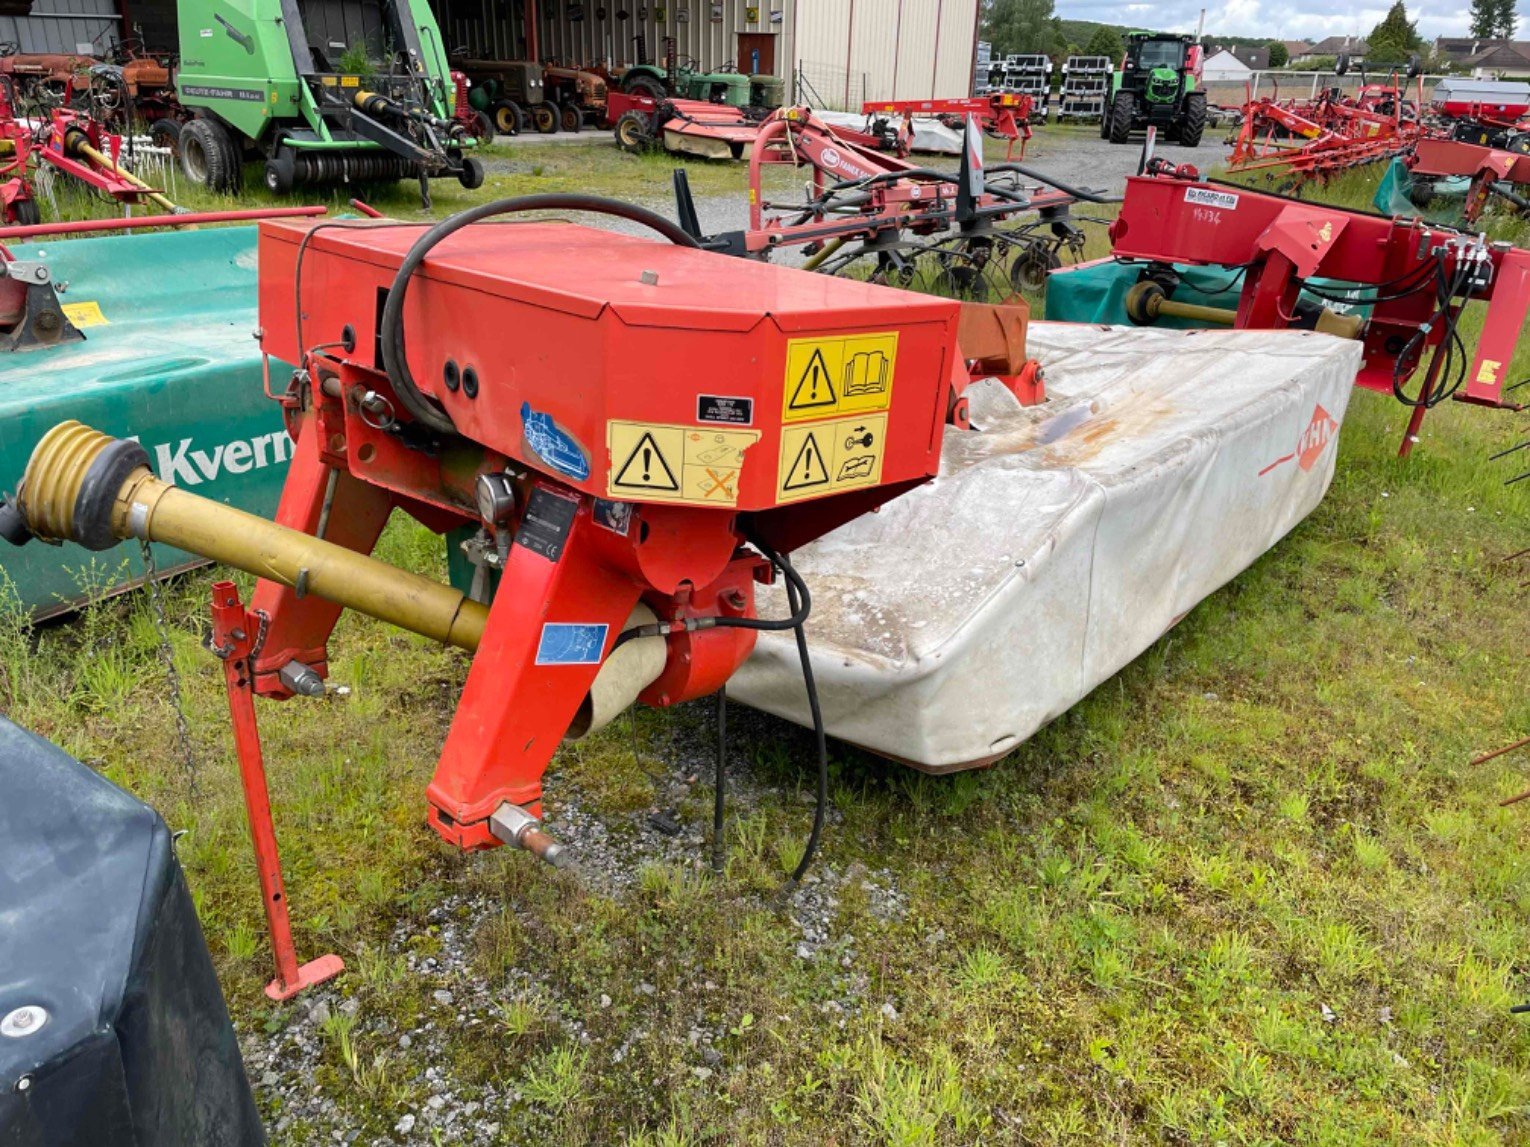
328	91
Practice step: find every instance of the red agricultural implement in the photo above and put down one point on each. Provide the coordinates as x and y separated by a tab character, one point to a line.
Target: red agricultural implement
672	426
1003	115
1493	172
1315	139
1397	285
687	127
975	234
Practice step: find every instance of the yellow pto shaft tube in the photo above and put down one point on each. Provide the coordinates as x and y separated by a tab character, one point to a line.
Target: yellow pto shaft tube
79	145
84	486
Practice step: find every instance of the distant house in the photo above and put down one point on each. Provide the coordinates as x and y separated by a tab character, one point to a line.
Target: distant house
1234	63
1296	49
1351	46
1485	59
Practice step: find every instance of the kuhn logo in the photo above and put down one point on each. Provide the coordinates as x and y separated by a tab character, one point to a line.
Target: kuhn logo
1315	439
830	157
183	465
1312	442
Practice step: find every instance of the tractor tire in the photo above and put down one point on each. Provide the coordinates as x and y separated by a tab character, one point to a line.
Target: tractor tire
646	86
571	119
1192	120
508	117
166	133
544	117
1119	119
280	174
482	127
471	175
1105	122
632	133
208	157
25	213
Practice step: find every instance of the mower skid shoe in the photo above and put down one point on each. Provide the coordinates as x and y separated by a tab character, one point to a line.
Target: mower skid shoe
300	626
308	975
551	625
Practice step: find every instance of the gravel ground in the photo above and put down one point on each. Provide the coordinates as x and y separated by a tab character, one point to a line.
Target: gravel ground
1080	157
610	852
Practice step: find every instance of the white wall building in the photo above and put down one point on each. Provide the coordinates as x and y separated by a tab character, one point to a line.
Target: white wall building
1225	66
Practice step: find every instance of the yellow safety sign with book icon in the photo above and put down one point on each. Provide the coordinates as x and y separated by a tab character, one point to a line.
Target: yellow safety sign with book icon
830	376
659	462
826	457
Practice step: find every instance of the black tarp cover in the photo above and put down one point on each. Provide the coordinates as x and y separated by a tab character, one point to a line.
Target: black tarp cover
97	927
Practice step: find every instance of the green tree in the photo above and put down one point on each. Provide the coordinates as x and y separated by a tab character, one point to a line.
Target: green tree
1024	26
1105	42
1395	37
1279	57
1484	15
1507	19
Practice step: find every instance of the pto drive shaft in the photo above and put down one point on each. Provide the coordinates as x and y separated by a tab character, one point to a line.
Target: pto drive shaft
84	486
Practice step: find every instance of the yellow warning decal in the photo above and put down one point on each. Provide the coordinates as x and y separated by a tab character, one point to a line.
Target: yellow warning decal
826	457
87	314
829	376
1487	374
658	462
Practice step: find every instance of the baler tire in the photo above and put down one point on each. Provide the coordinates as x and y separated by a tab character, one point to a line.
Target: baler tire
508	117
26	213
471	175
544	117
1122	108
207	155
570	118
632	133
482	127
281	172
1192	124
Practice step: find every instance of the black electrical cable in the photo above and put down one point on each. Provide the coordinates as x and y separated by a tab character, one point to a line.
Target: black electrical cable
800	603
1449	353
391	335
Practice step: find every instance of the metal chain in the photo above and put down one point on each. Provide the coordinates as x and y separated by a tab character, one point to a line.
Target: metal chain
167	655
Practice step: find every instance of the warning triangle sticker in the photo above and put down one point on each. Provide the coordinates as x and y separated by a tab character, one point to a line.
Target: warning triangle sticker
808	469
815	387
646	468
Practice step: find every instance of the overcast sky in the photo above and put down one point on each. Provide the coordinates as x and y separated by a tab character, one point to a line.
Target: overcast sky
1278	19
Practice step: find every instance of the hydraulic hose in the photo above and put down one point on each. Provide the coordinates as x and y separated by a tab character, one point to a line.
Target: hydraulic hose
426	409
1080	193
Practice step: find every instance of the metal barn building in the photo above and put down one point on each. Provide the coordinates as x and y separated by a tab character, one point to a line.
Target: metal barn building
832	53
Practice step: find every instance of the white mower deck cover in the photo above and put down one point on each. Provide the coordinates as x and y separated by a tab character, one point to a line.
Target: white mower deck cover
1060	540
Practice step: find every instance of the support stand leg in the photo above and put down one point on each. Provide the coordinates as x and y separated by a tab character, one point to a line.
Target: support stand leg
232	643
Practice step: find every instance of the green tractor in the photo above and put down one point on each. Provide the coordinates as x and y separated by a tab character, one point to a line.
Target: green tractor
327	91
681	78
1156	86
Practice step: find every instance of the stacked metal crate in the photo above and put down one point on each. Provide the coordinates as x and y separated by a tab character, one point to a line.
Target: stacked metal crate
980	69
1085	88
1032	76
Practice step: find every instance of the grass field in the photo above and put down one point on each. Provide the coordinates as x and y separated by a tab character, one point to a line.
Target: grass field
1250	891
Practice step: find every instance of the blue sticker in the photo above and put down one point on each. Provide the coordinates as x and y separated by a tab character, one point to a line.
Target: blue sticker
571	643
554	445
